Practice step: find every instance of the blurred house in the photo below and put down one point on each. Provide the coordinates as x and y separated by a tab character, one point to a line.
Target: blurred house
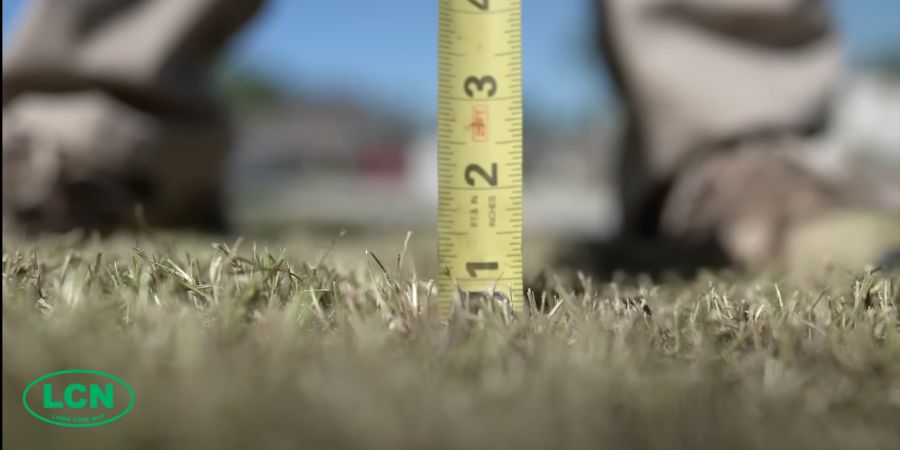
867	121
862	149
867	130
336	164
317	162
312	139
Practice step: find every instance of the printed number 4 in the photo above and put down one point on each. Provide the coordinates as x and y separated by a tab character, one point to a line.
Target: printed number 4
482	5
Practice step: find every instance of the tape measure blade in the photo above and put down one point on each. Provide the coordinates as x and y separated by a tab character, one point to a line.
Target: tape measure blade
480	149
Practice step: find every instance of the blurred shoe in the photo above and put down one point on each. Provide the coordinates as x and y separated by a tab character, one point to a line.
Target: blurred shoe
87	160
848	239
764	206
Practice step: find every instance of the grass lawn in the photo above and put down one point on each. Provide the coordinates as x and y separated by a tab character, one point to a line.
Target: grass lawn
247	348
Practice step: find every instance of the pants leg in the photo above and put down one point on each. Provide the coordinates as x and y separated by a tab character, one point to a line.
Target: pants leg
107	106
703	77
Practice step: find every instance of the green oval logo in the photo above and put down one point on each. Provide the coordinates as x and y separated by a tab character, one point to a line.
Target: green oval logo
78	398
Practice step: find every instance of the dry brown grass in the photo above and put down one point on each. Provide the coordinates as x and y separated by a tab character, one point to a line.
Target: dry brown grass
244	349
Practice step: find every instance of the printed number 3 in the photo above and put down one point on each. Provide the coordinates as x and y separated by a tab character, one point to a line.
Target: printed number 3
480	84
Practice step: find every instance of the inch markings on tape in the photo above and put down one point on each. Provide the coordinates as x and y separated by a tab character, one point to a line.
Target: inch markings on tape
480	150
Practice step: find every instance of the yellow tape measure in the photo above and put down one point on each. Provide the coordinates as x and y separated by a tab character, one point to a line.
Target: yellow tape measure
480	150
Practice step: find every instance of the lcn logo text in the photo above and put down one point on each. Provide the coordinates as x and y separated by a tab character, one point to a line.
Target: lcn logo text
78	398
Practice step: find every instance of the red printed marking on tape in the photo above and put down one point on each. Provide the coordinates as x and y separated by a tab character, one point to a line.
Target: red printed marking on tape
480	123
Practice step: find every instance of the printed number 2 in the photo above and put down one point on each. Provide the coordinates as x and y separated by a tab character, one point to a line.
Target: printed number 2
491	178
482	5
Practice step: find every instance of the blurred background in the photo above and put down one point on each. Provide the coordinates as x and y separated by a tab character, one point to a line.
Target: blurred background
335	104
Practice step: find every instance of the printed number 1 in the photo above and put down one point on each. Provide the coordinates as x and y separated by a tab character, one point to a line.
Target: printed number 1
482	5
474	267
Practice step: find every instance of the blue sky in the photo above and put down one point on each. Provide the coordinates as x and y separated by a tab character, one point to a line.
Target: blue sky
385	52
